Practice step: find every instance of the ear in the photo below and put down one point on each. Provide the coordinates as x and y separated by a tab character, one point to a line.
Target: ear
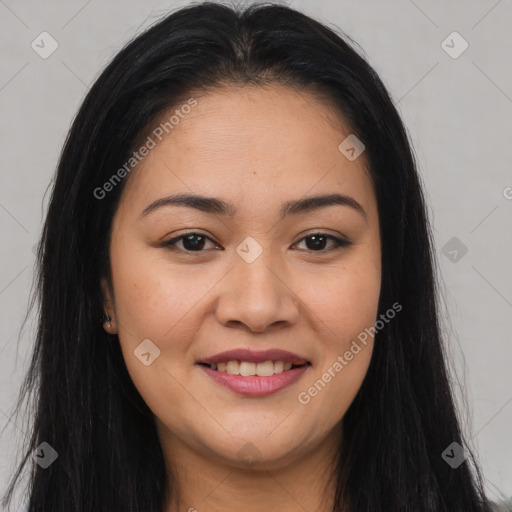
110	324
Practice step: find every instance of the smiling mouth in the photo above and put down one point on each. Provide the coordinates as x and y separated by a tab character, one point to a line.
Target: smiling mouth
254	380
250	369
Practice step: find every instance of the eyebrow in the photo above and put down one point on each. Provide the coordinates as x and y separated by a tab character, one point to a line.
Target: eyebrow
213	205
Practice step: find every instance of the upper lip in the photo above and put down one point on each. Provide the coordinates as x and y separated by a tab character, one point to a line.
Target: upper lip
254	356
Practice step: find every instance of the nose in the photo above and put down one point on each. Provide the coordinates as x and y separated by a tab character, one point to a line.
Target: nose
257	297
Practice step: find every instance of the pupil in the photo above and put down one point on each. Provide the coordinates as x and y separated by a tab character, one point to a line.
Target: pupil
189	240
317	238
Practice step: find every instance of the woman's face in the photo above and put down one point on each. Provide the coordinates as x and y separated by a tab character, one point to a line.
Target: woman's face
252	278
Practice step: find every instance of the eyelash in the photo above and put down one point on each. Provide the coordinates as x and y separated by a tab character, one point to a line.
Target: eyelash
338	242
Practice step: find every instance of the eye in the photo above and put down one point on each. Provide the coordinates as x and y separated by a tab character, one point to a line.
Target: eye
191	242
315	242
318	241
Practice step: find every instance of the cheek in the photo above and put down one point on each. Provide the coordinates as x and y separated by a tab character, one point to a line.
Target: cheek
345	306
160	302
328	394
141	296
152	302
152	296
344	301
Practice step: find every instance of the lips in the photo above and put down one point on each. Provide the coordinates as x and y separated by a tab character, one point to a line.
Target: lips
235	370
252	356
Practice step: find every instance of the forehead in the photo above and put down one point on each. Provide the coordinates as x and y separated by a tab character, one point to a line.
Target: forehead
255	143
262	122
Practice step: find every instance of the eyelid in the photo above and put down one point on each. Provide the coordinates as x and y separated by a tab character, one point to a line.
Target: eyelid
172	242
338	241
319	231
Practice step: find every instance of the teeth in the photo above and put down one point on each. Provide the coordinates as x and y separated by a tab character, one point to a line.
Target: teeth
233	368
265	369
247	369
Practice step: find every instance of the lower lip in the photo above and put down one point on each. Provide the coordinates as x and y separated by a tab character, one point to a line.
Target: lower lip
254	385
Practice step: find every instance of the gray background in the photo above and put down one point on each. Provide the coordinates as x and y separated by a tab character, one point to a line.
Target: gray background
458	113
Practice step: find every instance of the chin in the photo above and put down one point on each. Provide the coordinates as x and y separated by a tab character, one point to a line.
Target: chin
258	451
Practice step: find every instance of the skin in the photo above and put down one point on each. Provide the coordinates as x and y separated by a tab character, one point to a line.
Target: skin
256	148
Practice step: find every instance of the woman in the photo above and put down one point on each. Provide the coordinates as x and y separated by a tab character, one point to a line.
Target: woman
237	285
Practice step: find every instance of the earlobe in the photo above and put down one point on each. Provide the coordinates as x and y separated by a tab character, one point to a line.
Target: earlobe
109	323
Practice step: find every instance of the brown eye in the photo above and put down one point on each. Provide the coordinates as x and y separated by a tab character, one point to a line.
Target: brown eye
191	242
317	242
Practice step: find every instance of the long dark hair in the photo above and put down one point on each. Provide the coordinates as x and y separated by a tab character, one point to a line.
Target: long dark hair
89	411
